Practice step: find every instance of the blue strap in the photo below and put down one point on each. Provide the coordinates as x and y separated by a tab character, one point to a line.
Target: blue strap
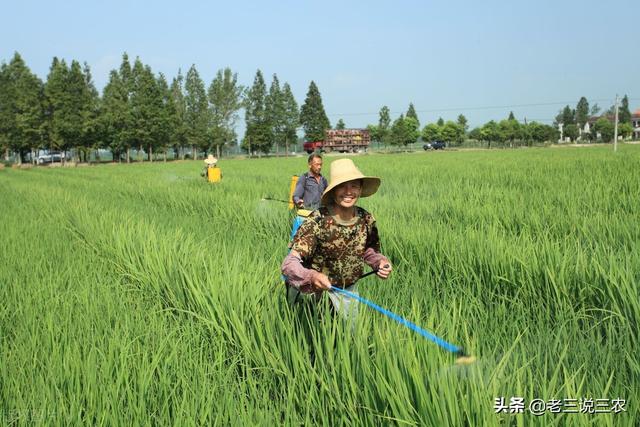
426	334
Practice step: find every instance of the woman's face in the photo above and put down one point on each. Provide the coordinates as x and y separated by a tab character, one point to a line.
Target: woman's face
347	193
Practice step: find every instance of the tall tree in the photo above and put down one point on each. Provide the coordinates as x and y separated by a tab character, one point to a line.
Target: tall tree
167	115
404	131
567	116
440	122
57	104
78	108
147	108
7	119
275	111
179	135
313	118
411	112
398	132
115	118
196	112
624	115
21	108
582	112
384	124
462	122
340	124
413	130
92	131
127	82
291	116
511	116
258	135
225	98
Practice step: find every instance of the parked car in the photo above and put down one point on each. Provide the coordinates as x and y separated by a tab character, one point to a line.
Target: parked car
434	145
51	157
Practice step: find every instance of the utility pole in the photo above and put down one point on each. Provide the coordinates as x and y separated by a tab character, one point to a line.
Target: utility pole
615	128
560	126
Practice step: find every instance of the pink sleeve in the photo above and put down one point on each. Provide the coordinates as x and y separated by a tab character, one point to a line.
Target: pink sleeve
372	258
296	274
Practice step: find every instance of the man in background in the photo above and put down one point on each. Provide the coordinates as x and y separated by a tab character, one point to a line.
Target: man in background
310	185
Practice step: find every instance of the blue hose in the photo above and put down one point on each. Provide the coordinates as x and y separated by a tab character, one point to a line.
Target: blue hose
426	334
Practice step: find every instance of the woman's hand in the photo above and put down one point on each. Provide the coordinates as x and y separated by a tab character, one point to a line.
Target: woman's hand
384	269
320	281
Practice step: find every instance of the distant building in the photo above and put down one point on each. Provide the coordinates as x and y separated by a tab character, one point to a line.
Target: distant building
635	122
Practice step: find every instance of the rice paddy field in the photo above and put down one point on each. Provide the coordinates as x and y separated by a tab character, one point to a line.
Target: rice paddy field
143	295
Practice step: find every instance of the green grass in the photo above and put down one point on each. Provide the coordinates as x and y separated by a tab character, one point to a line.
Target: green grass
142	295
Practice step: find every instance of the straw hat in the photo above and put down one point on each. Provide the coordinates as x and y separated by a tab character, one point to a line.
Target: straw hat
210	160
344	170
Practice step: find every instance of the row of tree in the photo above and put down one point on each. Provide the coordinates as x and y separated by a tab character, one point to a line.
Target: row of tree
140	110
569	123
406	130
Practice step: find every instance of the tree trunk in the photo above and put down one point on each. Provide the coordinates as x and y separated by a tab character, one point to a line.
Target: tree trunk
151	154
165	156
128	156
33	156
218	150
194	152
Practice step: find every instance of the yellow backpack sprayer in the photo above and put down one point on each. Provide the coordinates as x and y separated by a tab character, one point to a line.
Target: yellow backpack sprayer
301	214
211	170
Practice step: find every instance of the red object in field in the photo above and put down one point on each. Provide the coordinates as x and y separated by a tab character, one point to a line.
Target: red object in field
312	146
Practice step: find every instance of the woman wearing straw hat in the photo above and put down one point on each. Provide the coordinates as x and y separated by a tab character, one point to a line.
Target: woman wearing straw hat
331	245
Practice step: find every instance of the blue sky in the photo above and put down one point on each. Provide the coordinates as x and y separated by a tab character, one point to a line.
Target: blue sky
446	57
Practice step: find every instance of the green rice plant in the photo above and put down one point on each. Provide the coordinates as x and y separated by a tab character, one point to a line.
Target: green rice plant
143	294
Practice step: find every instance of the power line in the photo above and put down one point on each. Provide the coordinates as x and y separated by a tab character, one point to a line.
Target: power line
491	107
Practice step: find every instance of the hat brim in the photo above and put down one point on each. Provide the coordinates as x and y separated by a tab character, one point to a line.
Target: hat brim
370	185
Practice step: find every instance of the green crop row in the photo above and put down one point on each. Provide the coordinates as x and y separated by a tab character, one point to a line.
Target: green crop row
143	295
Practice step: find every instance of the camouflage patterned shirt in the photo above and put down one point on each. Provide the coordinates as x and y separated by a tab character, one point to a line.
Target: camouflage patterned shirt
336	249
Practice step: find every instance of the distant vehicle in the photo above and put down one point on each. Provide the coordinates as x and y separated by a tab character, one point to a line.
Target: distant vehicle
341	140
434	145
51	157
312	146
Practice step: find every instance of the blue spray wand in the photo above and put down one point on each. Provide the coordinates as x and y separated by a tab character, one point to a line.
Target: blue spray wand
463	357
